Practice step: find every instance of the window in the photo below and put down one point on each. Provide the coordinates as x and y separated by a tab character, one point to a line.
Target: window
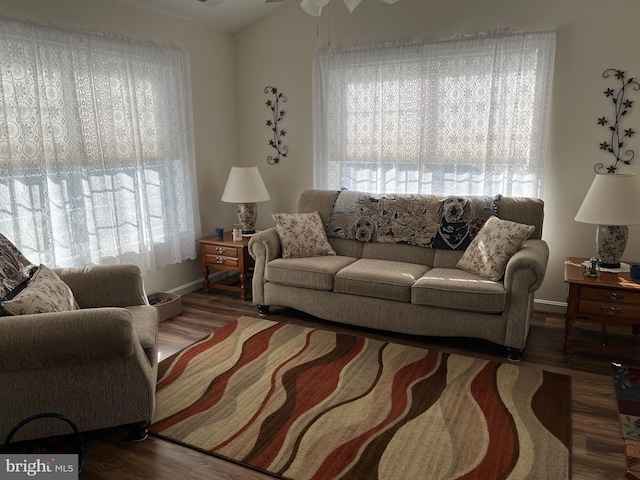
97	161
466	116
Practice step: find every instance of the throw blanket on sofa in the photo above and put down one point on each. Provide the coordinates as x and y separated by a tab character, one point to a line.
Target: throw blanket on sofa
423	220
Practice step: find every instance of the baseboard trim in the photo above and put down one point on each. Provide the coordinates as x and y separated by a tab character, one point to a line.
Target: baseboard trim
196	284
550	306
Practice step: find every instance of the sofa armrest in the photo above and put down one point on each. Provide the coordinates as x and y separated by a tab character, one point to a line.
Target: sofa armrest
533	255
263	247
105	285
47	340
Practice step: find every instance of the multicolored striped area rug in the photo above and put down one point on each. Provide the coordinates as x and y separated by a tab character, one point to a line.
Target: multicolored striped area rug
626	381
305	403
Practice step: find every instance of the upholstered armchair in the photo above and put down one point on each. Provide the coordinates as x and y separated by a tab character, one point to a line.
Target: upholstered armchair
97	365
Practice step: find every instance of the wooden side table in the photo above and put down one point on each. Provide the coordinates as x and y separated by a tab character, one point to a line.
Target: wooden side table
226	255
609	299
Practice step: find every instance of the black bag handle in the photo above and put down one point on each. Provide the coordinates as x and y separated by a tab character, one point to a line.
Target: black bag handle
58	416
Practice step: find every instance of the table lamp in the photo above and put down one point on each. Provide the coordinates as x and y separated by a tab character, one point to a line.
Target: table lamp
245	187
612	203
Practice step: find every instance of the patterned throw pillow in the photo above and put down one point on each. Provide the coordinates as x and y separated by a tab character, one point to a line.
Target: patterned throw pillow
302	235
14	267
491	249
45	293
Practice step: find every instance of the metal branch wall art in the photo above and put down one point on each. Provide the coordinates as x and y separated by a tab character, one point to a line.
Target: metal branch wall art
622	105
276	116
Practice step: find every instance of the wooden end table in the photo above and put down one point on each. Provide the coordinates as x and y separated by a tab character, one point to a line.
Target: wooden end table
224	255
608	299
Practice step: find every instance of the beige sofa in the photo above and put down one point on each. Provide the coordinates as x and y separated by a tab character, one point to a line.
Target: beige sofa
96	365
405	288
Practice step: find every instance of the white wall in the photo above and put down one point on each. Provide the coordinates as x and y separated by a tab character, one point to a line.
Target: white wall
593	35
213	89
229	74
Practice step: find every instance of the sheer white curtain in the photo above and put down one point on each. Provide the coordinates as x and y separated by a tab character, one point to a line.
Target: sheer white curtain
464	116
97	160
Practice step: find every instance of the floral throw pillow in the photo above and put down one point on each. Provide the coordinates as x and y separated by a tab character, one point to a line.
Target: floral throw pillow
14	267
302	235
491	249
45	293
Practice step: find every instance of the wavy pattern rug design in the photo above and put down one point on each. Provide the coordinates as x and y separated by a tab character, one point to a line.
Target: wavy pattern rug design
626	381
306	403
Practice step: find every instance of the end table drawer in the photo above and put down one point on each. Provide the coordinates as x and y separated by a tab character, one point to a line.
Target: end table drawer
610	296
220	251
608	309
218	260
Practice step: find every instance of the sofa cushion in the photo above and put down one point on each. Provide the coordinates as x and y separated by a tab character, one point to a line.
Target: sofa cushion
347	248
310	272
398	252
459	290
302	235
45	293
379	278
491	249
446	258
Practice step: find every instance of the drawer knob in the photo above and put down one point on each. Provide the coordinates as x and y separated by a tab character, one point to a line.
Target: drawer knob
613	296
220	259
607	310
220	250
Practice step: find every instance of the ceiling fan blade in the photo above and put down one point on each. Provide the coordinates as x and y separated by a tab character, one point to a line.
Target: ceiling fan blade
390	2
274	1
352	4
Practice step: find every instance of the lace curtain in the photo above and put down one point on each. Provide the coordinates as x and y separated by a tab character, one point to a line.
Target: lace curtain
97	160
467	116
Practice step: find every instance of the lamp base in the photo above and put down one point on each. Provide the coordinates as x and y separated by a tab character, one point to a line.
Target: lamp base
611	241
608	265
247	215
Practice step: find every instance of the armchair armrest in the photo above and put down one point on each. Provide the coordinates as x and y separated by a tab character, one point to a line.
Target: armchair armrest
263	247
63	338
533	256
105	285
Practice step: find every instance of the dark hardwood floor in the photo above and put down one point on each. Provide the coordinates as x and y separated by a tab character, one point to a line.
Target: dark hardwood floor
597	451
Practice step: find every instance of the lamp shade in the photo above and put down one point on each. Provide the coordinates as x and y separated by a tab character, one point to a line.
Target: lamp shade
245	185
612	199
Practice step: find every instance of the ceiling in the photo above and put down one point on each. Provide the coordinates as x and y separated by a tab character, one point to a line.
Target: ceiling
224	15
